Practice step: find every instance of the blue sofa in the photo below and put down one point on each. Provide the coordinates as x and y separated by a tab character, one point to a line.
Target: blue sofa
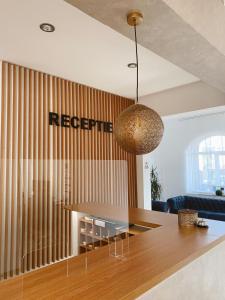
207	208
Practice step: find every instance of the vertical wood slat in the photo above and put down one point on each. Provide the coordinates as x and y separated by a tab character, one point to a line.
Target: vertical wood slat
54	208
35	171
20	178
43	167
4	107
8	226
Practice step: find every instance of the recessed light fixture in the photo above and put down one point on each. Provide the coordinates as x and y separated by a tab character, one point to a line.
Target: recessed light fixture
132	65
46	27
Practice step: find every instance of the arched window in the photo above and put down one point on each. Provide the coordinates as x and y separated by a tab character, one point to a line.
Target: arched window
206	165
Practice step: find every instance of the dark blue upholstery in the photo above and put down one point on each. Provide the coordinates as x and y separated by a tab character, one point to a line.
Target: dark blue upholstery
206	207
160	206
176	203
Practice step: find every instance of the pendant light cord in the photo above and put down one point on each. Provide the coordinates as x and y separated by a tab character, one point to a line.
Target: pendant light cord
135	34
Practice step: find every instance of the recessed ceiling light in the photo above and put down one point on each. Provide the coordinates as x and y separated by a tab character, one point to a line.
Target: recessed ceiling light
132	65
46	27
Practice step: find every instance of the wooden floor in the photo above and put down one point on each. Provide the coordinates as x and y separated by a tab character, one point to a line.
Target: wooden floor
148	259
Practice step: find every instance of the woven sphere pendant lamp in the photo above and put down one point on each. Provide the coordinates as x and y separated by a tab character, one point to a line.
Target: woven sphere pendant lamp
138	129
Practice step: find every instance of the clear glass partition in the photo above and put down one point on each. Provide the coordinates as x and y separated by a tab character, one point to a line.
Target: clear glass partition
39	225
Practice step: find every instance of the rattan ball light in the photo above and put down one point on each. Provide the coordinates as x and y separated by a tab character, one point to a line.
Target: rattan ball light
138	129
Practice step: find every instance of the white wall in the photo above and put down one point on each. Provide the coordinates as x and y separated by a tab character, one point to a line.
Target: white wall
181	102
169	157
143	182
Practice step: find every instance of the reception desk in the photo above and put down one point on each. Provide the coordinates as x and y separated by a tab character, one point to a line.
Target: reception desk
164	262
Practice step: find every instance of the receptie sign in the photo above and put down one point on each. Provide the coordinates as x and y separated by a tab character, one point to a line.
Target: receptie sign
76	122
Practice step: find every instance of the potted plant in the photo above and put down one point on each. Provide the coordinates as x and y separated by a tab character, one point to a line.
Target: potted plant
220	191
156	191
156	188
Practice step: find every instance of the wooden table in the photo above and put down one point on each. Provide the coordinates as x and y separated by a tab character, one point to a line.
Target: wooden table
152	257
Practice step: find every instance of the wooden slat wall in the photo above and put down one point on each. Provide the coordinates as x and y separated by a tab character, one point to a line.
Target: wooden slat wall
43	167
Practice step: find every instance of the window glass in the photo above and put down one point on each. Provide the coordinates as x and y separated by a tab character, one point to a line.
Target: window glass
206	165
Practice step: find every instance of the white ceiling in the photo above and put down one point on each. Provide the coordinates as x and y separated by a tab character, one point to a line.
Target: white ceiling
81	49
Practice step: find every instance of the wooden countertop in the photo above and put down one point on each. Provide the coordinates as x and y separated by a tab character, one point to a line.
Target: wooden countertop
151	257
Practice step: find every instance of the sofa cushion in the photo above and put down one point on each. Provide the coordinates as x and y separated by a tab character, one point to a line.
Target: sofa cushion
220	216
211	215
203	214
